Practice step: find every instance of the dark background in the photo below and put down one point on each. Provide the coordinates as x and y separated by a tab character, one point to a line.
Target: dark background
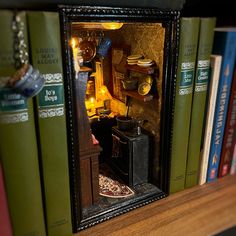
223	10
51	4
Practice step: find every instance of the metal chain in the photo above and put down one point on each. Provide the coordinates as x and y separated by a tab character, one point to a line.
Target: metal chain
21	55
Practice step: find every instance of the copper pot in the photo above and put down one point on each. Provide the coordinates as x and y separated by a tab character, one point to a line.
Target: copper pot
88	49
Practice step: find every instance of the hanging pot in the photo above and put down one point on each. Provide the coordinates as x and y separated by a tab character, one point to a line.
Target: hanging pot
88	50
104	47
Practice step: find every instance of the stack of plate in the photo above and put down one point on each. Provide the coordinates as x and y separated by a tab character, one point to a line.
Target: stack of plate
133	59
146	62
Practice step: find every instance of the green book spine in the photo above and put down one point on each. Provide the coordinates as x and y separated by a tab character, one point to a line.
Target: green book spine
189	30
44	34
206	36
18	145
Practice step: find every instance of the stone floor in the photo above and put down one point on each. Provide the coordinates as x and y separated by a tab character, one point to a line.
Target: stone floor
106	203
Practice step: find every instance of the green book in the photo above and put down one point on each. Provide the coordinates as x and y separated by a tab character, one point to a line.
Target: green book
206	36
188	42
18	144
45	42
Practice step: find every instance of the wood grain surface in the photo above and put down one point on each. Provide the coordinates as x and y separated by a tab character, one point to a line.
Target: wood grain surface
201	210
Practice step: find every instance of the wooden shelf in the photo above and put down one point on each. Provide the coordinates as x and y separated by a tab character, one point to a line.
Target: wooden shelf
85	69
136	95
144	70
201	210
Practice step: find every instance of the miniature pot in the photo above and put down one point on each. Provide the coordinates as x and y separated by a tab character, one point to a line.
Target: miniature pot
125	122
129	84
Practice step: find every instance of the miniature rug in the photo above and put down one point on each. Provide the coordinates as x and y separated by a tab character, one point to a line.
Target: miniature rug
113	188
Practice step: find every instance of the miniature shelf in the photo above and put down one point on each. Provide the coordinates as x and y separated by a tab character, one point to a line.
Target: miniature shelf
136	95
144	70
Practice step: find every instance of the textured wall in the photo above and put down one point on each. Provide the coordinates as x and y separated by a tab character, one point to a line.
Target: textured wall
148	40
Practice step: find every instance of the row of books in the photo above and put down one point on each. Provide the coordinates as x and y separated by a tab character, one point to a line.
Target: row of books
204	116
219	138
34	177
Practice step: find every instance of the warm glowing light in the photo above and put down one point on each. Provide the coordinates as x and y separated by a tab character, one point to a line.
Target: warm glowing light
104	93
112	25
103	90
92	100
74	42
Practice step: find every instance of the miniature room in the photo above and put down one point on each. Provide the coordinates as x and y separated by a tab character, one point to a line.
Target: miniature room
123	66
118	97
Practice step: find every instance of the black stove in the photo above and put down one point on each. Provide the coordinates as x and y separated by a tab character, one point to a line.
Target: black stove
130	156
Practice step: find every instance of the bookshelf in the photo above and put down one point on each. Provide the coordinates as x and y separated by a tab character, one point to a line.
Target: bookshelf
195	211
201	210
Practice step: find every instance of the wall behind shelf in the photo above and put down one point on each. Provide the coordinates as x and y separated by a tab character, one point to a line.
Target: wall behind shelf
52	4
223	10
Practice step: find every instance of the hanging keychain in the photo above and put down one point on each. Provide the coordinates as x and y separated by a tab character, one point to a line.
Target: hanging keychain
26	80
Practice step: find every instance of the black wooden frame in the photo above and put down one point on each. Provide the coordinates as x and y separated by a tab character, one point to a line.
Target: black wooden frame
170	21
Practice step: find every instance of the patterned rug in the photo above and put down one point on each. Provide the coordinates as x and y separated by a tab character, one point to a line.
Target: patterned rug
113	188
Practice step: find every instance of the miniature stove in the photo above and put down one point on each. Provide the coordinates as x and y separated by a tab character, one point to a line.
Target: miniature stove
130	156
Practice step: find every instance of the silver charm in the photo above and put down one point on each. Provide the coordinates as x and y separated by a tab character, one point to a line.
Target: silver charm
26	80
